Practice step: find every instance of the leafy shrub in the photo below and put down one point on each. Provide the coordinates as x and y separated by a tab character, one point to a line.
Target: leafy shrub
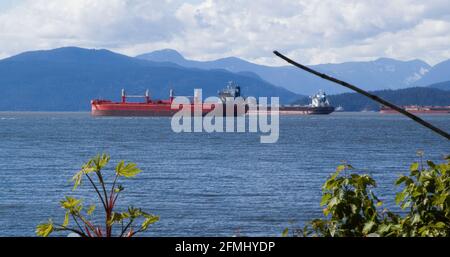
426	194
82	218
352	209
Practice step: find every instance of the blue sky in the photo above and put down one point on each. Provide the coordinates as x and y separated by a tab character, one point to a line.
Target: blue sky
5	4
313	31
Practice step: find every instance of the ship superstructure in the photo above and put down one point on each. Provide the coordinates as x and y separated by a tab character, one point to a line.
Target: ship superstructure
319	105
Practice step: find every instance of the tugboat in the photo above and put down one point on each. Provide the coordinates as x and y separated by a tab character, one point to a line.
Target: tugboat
319	105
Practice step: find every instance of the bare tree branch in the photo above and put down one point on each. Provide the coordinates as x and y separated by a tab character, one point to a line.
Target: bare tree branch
365	93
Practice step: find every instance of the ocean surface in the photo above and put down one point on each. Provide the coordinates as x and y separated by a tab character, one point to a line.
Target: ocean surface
202	184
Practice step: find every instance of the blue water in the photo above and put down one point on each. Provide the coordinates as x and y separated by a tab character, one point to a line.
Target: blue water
202	184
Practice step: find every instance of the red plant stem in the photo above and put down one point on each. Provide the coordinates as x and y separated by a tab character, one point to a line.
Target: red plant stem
98	192
87	223
87	230
108	209
99	232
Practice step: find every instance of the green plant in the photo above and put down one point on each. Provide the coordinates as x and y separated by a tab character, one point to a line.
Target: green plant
350	205
82	218
426	194
352	209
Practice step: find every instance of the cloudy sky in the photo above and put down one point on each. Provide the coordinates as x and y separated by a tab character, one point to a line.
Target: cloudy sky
311	31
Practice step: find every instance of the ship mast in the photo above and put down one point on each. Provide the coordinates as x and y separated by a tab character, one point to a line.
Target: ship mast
146	96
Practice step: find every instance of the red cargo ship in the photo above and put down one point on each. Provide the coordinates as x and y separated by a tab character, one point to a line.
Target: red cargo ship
418	109
149	107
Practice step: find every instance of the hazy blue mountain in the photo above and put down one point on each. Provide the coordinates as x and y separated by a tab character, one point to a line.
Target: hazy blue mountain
439	73
68	78
406	96
382	73
166	55
441	85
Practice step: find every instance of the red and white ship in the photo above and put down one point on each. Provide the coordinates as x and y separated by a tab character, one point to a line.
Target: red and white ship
149	107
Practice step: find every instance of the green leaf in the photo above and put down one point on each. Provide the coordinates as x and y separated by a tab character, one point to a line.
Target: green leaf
128	170
91	210
414	166
431	164
85	169
332	230
382	229
101	161
285	232
326	211
118	189
325	198
132	213
150	219
400	180
77	179
44	229
416	219
66	219
341	168
368	227
440	225
70	203
115	217
354	208
333	201
399	197
439	199
405	205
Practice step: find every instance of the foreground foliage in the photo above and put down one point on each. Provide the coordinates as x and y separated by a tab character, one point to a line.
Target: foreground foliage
352	209
82	218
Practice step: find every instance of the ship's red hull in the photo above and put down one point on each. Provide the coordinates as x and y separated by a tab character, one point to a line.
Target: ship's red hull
419	110
298	110
156	109
108	108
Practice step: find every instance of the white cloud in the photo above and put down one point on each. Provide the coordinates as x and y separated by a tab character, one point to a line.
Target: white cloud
313	31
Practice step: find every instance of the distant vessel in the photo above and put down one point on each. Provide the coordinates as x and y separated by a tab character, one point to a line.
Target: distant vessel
149	107
319	105
339	109
416	109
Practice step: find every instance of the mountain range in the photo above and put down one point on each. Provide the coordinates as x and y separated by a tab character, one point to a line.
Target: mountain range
66	79
383	73
441	85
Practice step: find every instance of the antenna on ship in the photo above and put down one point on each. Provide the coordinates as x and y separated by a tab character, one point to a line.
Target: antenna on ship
124	97
147	96
171	95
